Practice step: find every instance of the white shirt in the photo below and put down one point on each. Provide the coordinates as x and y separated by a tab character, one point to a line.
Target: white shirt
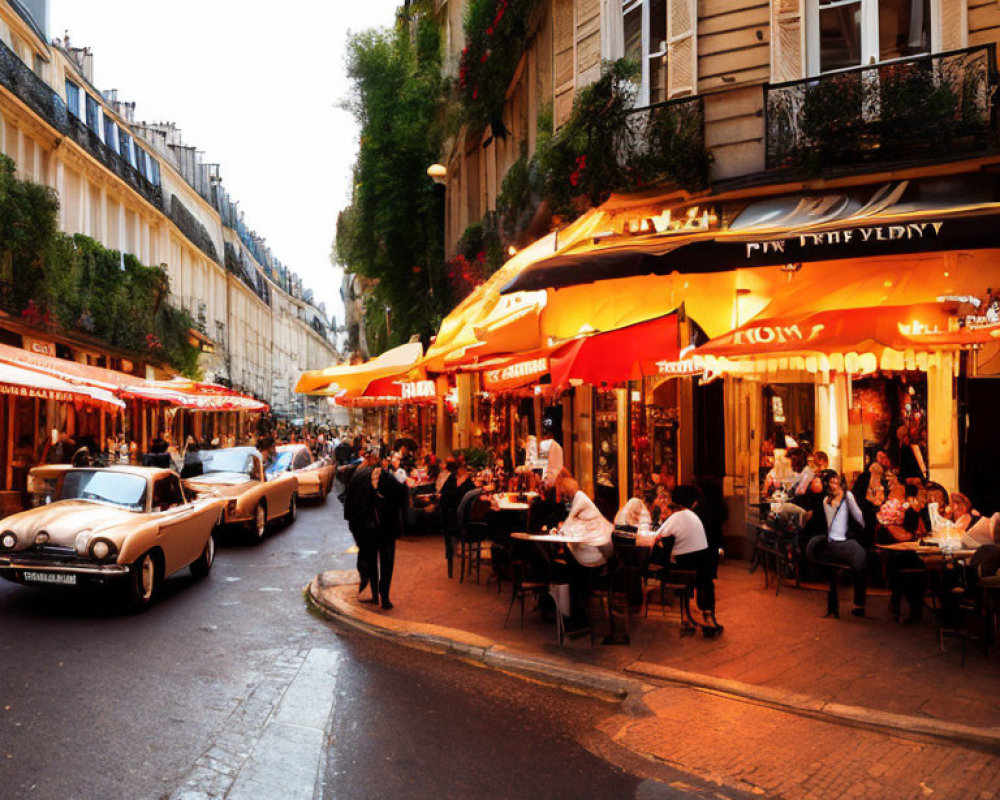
590	530
687	530
836	517
551	453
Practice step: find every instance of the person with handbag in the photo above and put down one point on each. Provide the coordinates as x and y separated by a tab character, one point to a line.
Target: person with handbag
839	544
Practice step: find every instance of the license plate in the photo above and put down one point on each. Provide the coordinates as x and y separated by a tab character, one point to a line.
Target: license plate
59	578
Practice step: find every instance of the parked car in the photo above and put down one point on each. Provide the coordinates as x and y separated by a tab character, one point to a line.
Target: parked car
236	476
132	526
315	477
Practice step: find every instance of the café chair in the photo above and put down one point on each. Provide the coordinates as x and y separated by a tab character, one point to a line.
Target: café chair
677	583
526	580
469	540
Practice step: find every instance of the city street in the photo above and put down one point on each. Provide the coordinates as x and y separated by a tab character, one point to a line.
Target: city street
171	703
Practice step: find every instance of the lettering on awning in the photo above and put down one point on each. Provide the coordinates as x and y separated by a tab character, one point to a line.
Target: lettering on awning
906	232
519	371
776	334
412	390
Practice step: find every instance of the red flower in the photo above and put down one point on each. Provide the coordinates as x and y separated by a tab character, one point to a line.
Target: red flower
489	31
485	56
475	93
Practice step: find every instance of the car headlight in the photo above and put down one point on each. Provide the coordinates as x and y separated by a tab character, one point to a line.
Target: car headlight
102	550
82	542
42	538
8	541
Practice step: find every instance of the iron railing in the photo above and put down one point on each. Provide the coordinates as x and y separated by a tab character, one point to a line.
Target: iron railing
30	89
669	140
921	108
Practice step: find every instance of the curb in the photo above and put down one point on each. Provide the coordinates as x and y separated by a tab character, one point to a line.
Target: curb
578	678
611	686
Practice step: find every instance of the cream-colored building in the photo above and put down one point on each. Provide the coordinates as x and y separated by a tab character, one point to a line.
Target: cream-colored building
756	75
139	188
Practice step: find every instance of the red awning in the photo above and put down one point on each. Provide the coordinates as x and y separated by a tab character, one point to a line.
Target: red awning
20	382
618	356
194	396
905	327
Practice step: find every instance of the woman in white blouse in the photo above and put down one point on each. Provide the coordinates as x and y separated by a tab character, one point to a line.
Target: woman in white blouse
588	527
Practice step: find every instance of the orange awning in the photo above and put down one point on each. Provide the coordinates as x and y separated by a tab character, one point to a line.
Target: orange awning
354	378
18	382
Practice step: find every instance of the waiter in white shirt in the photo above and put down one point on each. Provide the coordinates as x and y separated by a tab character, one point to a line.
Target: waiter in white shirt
550	452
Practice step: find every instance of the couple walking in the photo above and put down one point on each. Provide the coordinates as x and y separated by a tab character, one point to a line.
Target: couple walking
373	508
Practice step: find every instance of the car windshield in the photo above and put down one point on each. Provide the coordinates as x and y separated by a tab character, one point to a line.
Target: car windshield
120	489
280	463
239	460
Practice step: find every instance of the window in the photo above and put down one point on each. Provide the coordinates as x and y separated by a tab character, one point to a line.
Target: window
140	157
73	98
93	114
853	33
167	493
154	171
127	146
645	36
110	133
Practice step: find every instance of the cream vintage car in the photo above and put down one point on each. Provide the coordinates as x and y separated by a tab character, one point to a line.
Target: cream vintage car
236	476
315	477
133	526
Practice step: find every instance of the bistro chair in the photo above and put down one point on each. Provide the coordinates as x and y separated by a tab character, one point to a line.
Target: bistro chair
678	583
471	536
526	580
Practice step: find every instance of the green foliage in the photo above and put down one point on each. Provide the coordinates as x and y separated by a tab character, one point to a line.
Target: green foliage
476	457
495	35
78	284
480	254
393	231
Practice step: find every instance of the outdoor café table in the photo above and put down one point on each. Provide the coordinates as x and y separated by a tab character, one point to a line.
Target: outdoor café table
925	551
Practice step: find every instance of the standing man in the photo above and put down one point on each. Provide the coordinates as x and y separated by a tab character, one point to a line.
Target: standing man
389	497
359	510
551	452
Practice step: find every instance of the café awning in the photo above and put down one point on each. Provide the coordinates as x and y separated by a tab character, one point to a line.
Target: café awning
630	353
19	382
70	371
779	232
354	378
194	396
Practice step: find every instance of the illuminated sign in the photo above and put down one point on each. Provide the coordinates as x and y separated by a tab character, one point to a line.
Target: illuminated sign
909	232
39	347
413	390
685	366
519	372
776	334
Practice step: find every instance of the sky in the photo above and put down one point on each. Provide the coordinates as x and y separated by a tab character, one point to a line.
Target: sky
254	84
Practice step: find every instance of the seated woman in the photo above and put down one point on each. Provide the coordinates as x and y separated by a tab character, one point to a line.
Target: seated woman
690	551
633	514
905	571
977	529
660	506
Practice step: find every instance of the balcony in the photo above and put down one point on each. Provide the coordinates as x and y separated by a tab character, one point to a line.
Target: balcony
928	108
35	93
669	143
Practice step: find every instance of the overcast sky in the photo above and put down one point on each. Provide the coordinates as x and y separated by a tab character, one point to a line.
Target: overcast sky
256	86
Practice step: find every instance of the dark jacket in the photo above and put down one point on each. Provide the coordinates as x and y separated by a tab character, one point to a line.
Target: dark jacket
358	504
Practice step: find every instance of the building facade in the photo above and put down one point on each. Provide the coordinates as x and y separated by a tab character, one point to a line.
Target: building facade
812	114
139	188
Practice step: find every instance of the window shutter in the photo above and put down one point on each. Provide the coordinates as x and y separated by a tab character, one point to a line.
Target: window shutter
786	41
954	24
563	35
682	47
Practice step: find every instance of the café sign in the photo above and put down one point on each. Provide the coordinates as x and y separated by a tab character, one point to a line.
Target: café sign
803	242
417	390
776	334
516	373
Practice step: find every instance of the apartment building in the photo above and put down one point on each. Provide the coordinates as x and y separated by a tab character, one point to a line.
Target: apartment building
139	188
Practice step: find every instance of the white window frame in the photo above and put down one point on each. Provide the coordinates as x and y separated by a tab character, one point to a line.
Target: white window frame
627	6
869	34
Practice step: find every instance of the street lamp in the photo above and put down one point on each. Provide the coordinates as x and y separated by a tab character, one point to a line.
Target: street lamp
438	173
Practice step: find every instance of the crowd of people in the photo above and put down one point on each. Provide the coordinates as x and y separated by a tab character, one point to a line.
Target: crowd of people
831	523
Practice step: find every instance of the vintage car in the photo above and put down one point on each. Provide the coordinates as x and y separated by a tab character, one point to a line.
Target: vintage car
315	477
236	476
129	525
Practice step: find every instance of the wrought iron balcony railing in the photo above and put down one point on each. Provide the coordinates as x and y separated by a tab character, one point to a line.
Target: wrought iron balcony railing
16	76
923	108
669	139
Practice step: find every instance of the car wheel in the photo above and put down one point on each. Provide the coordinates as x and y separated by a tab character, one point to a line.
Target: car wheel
293	509
259	525
143	581
203	564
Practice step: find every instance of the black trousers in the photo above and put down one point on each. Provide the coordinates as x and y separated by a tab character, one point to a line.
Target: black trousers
384	550
907	576
703	564
363	541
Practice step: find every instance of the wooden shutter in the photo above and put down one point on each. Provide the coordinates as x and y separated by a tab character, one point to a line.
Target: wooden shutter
682	47
564	49
954	18
787	61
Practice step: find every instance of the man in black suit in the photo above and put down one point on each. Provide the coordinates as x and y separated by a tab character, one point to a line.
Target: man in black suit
359	506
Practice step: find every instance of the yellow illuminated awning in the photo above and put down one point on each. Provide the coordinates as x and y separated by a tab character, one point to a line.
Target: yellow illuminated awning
354	378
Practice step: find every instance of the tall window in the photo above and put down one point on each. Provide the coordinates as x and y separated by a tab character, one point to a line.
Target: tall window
93	114
125	146
645	34
110	133
73	98
855	33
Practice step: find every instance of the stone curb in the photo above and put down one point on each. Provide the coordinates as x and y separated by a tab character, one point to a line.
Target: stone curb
822	709
323	594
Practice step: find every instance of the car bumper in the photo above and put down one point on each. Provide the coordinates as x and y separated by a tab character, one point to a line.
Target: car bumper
310	489
58	573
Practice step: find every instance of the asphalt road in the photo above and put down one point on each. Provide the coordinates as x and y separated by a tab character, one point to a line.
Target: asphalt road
229	687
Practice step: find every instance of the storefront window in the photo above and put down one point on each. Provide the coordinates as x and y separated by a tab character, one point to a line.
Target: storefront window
654	419
789	411
606	451
893	416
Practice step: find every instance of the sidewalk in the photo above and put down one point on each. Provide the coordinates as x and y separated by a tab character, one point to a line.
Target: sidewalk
780	677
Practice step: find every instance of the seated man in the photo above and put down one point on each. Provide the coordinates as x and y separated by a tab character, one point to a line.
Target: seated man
843	521
690	551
